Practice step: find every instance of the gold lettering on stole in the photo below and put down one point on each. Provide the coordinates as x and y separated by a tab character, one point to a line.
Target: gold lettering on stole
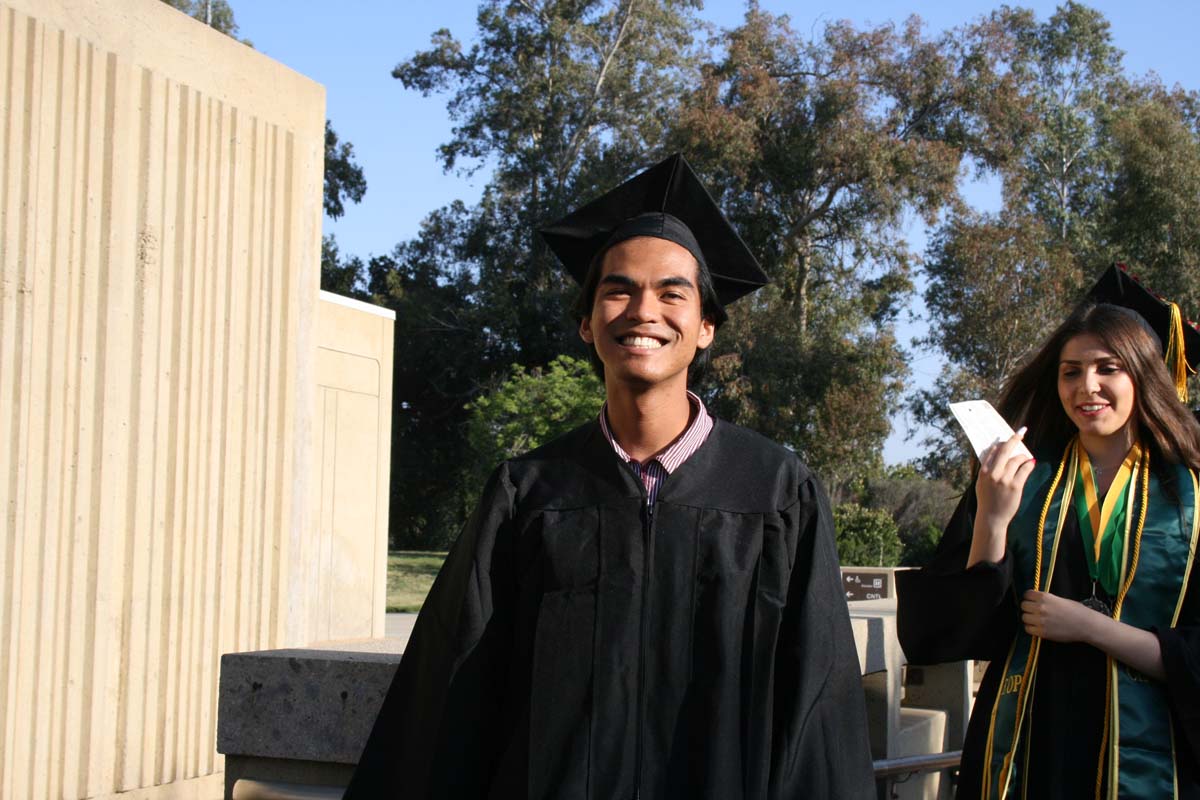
1134	675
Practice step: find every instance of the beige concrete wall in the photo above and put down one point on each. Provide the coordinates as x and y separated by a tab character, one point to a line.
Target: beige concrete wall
160	210
348	563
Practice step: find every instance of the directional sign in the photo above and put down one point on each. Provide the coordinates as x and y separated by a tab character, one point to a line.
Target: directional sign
864	585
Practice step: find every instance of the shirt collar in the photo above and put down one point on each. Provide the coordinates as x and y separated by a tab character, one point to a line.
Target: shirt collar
678	451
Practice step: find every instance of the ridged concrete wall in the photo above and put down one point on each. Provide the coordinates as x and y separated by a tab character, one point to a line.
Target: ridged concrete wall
160	209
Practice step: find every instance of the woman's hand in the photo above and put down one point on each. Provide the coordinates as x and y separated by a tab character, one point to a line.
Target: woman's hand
1056	618
1003	471
1060	620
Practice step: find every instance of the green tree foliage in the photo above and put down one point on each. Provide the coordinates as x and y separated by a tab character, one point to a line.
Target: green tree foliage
818	151
821	149
1154	194
921	545
216	14
920	507
563	100
998	283
866	537
1069	72
444	349
1095	169
344	179
996	286
1153	215
341	275
530	408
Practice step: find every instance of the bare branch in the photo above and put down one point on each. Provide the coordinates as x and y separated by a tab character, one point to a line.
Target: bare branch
802	73
584	125
536	12
818	212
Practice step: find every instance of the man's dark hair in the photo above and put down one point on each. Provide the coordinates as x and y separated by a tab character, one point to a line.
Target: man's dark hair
710	308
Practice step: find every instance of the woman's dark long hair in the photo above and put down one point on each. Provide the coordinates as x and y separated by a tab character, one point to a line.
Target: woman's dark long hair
1030	397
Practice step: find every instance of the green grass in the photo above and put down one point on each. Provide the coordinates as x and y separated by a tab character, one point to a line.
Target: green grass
410	574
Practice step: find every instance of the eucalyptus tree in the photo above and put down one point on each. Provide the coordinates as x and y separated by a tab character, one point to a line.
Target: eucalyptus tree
1095	168
559	99
997	284
1070	73
822	150
1152	218
553	101
216	14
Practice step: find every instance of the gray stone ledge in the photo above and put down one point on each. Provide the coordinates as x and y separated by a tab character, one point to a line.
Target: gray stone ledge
307	704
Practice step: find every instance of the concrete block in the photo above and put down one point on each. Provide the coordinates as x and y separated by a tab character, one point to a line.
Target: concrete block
945	686
305	705
922	730
882	663
315	776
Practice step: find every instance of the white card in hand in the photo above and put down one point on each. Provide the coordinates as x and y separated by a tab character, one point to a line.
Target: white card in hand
984	426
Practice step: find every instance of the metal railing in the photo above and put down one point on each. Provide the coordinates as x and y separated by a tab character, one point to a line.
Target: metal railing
890	771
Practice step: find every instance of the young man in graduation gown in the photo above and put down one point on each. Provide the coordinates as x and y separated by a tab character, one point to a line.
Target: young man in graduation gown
648	607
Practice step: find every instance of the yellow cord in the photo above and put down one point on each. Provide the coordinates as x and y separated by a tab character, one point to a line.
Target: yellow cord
1137	536
1108	663
1041	528
1035	646
1176	356
1133	565
1036	642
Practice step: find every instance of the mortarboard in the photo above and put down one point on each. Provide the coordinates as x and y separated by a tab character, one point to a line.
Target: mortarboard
1179	338
667	201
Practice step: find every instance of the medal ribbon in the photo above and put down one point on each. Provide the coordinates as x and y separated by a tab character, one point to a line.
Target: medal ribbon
1104	519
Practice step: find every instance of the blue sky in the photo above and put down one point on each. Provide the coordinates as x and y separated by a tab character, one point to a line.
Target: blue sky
352	46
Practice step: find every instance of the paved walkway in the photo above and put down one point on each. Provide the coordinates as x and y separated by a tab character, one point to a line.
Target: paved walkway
399	626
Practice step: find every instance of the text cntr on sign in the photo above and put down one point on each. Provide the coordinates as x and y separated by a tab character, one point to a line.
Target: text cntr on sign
864	585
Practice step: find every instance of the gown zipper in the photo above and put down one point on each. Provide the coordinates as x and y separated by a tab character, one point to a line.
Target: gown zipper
647	565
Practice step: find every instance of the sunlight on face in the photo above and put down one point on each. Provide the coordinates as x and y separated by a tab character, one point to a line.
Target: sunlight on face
646	321
1096	391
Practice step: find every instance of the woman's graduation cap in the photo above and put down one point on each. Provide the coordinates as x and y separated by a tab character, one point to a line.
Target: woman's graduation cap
1179	337
667	201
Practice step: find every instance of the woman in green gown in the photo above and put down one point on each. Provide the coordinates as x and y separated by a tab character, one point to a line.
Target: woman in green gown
1073	572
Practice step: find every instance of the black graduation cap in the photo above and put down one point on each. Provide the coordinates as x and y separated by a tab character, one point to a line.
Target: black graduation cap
1179	337
667	201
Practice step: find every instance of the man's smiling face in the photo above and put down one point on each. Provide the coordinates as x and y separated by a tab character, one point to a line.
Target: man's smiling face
646	321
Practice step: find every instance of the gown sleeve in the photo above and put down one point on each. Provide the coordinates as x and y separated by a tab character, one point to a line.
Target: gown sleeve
443	707
946	612
1181	662
820	746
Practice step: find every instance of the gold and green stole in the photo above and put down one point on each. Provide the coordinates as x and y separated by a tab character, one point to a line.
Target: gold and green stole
1102	521
1155	542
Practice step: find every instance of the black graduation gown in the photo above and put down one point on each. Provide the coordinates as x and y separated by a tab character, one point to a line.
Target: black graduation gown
948	613
579	645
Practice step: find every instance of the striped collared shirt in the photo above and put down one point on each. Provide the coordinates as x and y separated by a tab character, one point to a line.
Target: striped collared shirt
667	460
